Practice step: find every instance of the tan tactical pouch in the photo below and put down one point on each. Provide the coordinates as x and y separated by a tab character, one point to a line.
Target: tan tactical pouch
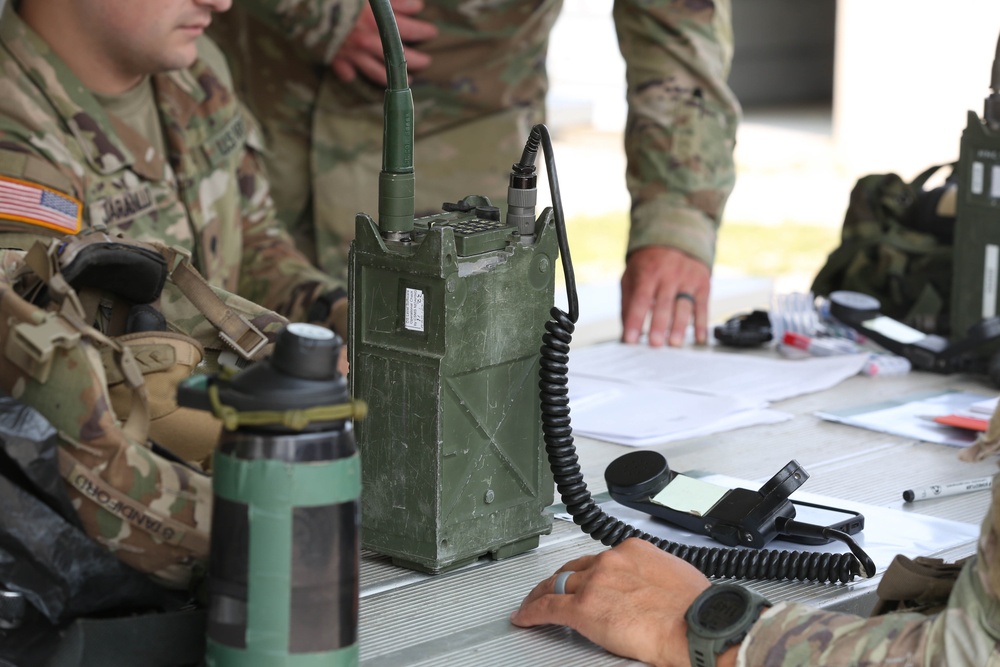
166	359
921	584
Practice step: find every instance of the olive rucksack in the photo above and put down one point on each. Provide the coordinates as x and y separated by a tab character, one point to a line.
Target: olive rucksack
896	245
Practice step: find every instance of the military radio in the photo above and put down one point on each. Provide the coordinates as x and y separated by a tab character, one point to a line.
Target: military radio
446	314
444	317
975	294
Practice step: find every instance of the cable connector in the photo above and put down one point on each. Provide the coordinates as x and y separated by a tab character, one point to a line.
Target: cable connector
522	189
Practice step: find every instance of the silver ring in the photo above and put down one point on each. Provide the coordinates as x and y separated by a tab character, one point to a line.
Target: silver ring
561	582
685	295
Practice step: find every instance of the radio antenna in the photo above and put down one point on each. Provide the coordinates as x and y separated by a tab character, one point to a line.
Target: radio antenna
396	184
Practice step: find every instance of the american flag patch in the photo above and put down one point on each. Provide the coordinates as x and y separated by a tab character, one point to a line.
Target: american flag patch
38	205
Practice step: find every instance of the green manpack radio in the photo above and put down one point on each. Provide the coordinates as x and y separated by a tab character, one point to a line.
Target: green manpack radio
975	294
445	317
465	407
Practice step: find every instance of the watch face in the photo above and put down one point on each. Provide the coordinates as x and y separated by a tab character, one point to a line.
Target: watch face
722	610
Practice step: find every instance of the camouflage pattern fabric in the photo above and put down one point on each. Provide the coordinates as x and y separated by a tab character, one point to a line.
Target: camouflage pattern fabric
317	27
78	168
475	104
967	632
152	513
207	196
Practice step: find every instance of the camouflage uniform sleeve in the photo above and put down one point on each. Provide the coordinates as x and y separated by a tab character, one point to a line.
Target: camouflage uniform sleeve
682	120
967	632
273	272
319	26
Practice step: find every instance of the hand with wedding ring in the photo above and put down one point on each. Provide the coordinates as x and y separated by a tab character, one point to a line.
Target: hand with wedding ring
631	600
668	287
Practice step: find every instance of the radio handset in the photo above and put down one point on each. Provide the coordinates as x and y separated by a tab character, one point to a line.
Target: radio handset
643	481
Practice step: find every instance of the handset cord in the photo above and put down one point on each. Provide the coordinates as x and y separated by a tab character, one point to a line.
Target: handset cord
792	527
738	563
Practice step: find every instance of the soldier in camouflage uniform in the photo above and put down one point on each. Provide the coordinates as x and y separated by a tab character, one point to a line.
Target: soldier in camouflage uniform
120	115
632	600
478	87
174	159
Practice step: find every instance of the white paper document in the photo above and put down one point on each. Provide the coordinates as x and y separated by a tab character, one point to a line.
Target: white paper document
645	416
641	396
912	416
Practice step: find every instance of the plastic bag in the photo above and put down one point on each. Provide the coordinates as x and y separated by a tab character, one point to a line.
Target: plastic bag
44	553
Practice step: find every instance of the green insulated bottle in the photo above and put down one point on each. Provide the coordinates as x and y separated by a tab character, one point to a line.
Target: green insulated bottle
284	566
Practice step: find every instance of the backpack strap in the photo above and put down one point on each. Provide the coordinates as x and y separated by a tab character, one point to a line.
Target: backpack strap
234	328
924	176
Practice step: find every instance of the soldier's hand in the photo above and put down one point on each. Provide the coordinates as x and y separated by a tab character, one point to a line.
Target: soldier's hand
670	287
631	600
362	53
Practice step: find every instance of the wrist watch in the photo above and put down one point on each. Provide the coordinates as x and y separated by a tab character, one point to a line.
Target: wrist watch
719	618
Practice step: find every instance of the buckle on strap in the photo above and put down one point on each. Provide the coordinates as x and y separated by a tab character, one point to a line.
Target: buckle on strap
235	329
239	333
31	346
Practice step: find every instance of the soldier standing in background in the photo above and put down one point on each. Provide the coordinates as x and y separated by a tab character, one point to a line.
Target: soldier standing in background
479	83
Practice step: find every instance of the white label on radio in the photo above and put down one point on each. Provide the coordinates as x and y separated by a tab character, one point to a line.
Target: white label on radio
995	181
991	263
413	319
977	178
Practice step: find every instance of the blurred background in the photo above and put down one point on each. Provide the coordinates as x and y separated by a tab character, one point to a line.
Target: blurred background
831	90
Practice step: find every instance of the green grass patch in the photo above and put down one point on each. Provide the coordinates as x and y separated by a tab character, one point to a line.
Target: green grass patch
775	250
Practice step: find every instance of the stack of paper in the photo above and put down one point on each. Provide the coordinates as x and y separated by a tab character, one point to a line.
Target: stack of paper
985	408
642	396
916	416
975	418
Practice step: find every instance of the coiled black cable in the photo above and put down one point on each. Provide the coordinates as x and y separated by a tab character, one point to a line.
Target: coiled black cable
736	563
